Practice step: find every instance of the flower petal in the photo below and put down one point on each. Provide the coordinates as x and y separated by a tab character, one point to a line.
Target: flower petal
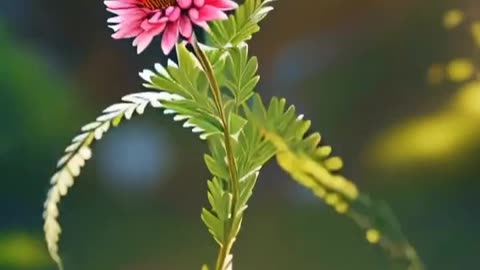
170	37
222	4
142	41
210	13
186	28
184	4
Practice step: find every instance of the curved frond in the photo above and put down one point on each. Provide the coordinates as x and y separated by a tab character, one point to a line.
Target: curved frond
79	151
311	165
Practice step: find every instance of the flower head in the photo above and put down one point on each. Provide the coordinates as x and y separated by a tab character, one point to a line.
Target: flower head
145	19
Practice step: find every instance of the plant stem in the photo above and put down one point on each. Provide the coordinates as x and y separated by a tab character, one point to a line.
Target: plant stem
217	95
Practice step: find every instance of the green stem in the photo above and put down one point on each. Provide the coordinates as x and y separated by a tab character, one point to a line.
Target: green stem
217	95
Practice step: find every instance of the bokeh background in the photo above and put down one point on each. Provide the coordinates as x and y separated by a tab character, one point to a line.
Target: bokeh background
390	84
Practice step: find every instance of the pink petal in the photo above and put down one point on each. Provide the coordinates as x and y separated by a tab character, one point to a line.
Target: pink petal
128	31
210	13
174	15
186	28
193	13
119	4
199	3
184	3
170	37
142	41
133	20
222	4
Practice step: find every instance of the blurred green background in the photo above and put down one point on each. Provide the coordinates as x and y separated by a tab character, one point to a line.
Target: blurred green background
374	76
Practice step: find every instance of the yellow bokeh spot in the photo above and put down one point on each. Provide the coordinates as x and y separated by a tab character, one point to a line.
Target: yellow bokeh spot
460	69
440	137
453	18
476	32
20	250
373	236
468	99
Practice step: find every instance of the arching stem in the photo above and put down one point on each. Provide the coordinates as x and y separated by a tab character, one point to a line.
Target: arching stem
225	249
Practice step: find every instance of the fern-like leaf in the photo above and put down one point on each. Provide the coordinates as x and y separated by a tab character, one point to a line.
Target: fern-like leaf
187	80
241	74
240	27
79	151
311	165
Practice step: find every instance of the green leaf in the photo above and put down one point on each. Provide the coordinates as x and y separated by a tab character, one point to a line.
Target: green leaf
236	124
241	26
221	202
185	78
214	225
216	167
309	163
195	107
274	117
246	190
215	194
241	74
225	207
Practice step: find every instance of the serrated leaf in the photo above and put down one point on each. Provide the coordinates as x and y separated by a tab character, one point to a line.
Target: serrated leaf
236	123
216	168
225	207
246	191
214	225
241	26
241	74
308	163
78	152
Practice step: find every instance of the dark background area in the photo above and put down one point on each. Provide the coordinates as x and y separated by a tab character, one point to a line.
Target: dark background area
357	68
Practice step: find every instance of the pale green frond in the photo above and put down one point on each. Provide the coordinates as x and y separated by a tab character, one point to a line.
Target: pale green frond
79	151
310	164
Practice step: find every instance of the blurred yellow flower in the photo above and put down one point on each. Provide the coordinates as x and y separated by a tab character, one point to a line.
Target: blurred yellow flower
453	18
476	32
373	236
468	99
460	69
441	136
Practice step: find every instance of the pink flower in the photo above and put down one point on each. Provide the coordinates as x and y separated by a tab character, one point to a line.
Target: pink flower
145	19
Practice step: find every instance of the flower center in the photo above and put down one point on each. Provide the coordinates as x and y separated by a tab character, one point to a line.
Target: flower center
157	4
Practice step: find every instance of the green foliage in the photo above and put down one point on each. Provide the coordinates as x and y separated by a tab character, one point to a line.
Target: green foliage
310	164
241	74
186	80
212	92
241	26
